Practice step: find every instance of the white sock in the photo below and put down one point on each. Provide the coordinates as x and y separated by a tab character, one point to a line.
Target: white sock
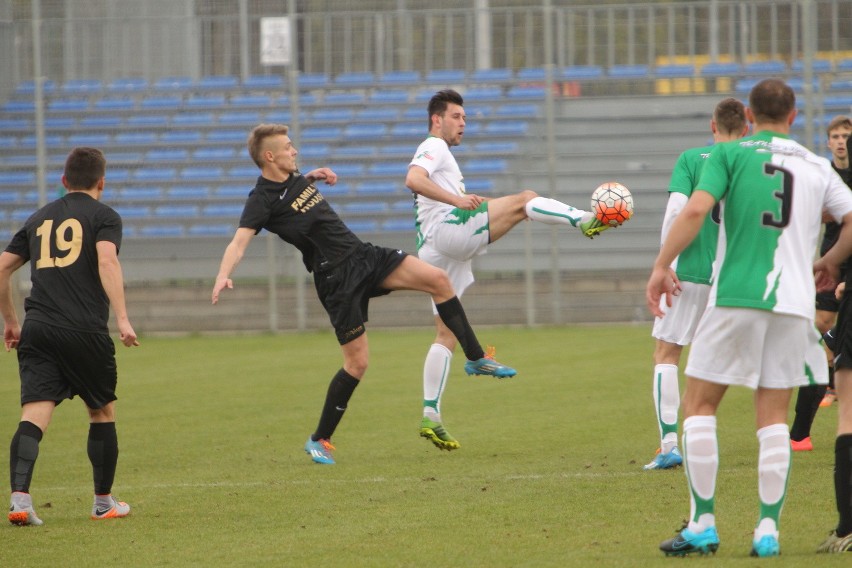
436	370
701	461
773	469
667	403
553	212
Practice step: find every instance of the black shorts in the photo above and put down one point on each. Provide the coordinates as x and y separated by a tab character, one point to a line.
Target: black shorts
57	363
345	290
827	302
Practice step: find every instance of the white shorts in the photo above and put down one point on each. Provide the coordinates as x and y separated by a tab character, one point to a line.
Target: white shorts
452	245
816	360
751	348
678	325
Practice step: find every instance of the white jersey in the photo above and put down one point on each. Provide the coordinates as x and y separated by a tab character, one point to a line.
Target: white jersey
434	156
772	191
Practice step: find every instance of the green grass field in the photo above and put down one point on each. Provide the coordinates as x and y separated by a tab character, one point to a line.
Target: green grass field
549	473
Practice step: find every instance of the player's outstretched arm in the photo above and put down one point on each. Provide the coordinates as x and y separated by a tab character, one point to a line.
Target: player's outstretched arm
233	254
418	181
113	282
9	263
325	174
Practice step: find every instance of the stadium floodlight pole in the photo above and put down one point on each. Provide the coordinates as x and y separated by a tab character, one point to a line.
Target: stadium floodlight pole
295	131
244	40
556	284
808	37
38	82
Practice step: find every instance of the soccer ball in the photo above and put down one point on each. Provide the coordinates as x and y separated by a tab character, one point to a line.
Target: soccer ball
612	203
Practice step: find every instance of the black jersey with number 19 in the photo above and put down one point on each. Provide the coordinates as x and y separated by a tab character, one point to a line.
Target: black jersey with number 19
60	241
298	213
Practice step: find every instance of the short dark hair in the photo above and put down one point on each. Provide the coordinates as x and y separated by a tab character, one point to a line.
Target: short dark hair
260	133
84	167
730	116
439	101
771	100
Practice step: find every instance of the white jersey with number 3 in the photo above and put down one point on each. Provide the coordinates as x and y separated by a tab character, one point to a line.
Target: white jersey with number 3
772	191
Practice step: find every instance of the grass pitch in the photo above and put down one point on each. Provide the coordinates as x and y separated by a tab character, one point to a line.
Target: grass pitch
550	473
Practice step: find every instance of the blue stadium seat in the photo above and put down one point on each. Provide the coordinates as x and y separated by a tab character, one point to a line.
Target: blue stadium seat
15	124
138	193
365	207
149	120
322	133
211	230
132	211
840	85
116	175
326	114
68	105
155	174
441	77
264	82
355	79
517	110
313	81
389	96
403	205
21	214
193	118
250	100
344	99
513	128
9	196
365	131
101	121
28	87
483	94
526	93
349	170
205	101
162	102
396	168
232	191
359	226
114	103
59	122
136	138
835	103
88	139
248	118
383	112
581	72
494	75
19	106
400	225
279	116
768	67
417	112
744	86
157	231
82	86
400	78
51	140
671	71
379	188
501	147
180	137
214	154
486	166
230	210
235	136
246	174
818	65
718	69
202	173
17	178
410	129
531	74
194	192
480	185
167	155
8	142
20	160
628	71
357	150
128	84
173	84
218	82
844	64
183	211
314	150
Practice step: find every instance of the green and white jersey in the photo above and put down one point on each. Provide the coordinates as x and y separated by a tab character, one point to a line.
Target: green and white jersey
435	157
772	191
695	263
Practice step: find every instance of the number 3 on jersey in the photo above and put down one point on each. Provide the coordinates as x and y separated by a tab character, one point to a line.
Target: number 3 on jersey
68	240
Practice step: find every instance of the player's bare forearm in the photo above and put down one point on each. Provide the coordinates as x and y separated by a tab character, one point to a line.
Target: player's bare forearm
233	254
418	181
9	263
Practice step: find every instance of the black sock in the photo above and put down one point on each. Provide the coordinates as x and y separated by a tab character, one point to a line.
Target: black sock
453	316
339	392
103	453
831	377
23	453
843	482
807	404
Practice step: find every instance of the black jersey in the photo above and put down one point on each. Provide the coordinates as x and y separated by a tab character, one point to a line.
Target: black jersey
60	240
832	229
298	213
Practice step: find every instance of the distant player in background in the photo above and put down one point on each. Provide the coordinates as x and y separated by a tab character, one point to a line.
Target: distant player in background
454	226
693	268
758	324
64	347
347	272
811	397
